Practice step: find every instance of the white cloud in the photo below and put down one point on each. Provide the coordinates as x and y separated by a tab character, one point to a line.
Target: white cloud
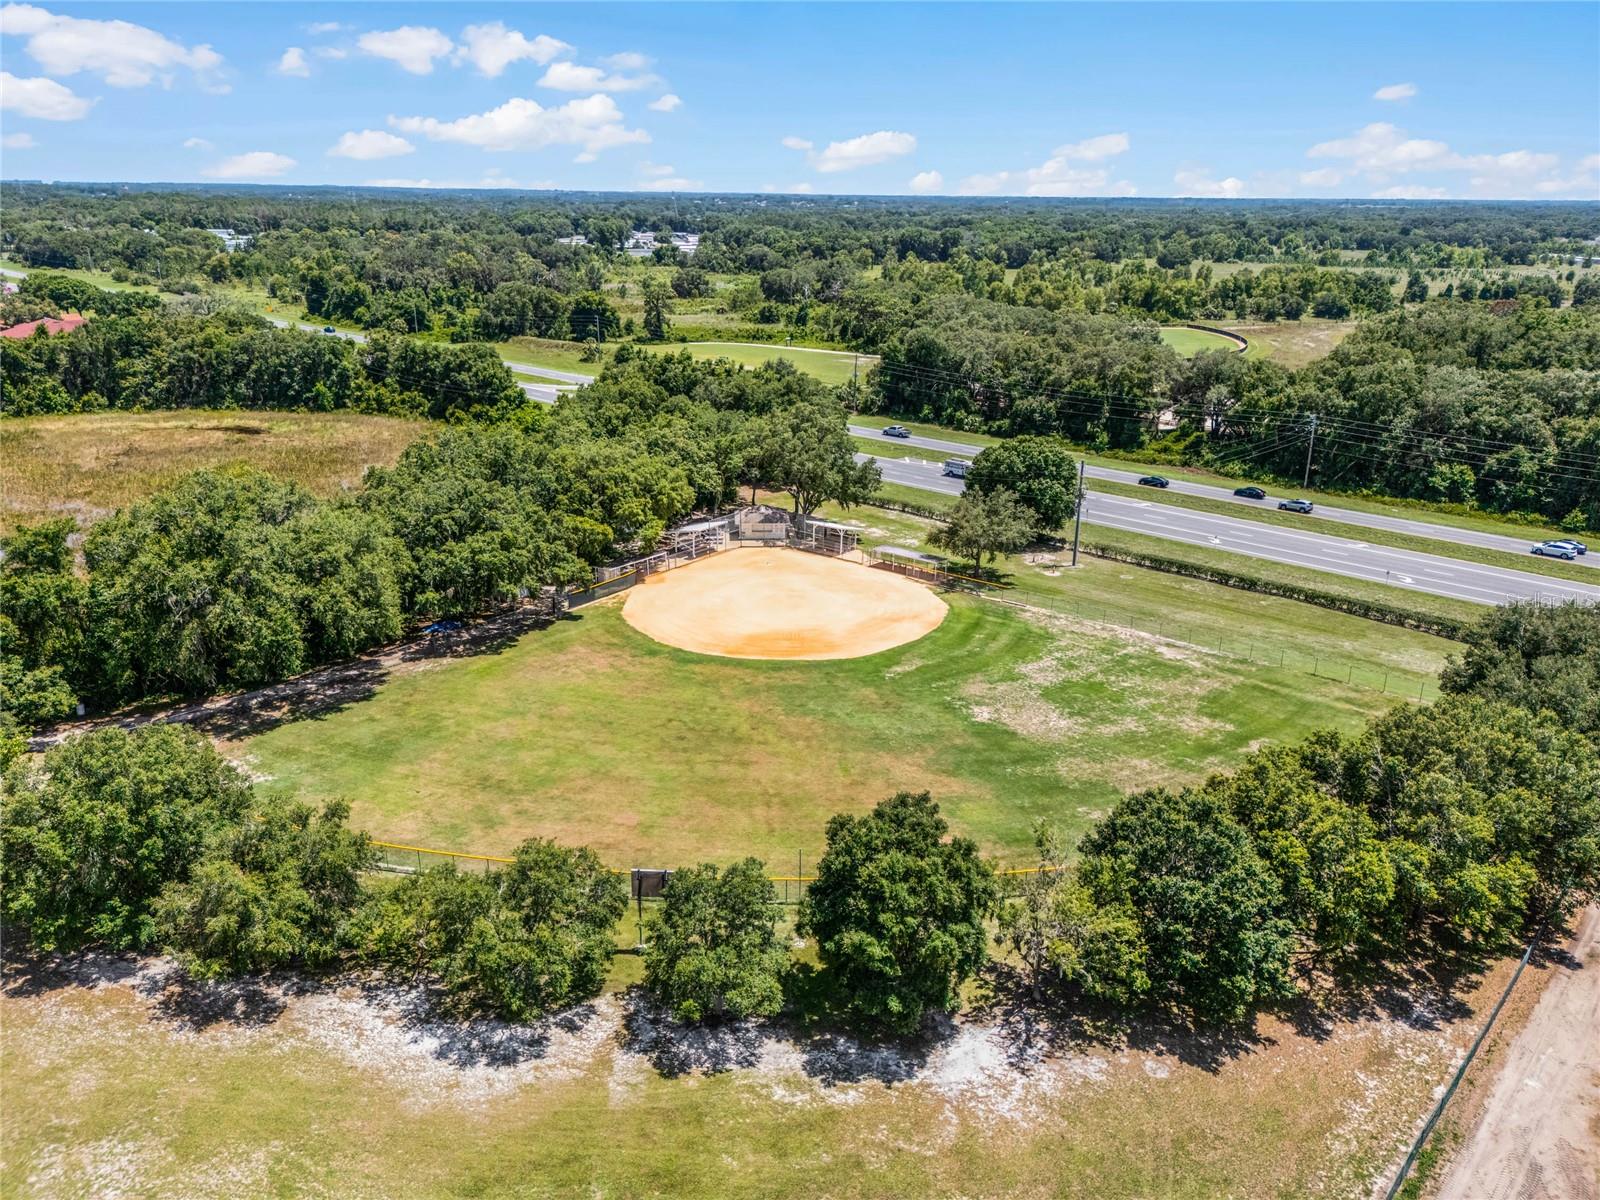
413	47
121	53
650	168
1095	149
594	123
1411	191
925	182
1395	91
321	27
665	103
804	189
257	164
675	183
197	143
1380	151
1198	181
1057	175
570	77
491	179
491	48
1383	147
330	52
293	62
628	60
18	141
370	144
42	98
1322	177
865	151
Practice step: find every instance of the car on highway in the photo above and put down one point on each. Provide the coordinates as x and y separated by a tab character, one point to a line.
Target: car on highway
1555	550
1299	506
1574	543
1250	493
896	431
329	329
957	468
1152	481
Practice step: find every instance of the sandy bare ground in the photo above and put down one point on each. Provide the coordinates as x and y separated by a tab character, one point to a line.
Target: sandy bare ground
1538	1137
780	603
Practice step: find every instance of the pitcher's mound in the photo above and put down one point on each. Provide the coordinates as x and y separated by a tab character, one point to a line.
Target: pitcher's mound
781	603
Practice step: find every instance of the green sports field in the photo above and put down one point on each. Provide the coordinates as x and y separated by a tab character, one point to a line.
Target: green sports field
1189	342
590	732
830	366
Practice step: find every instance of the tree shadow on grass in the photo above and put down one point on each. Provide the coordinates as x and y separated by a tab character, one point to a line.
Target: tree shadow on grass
1037	1029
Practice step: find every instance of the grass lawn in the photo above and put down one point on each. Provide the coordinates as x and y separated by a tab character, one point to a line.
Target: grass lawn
1291	343
590	732
87	465
831	366
1189	342
555	355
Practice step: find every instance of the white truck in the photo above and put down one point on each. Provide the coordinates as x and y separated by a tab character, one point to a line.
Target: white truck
957	467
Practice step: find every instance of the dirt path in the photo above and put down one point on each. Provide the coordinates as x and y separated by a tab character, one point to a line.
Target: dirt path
1538	1137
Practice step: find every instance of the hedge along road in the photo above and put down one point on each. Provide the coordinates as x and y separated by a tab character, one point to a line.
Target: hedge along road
1342	516
1340	556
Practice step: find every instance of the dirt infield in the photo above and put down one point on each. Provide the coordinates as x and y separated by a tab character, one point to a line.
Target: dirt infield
779	603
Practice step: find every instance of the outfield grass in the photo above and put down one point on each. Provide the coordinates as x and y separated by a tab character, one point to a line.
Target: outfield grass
87	465
590	732
1189	342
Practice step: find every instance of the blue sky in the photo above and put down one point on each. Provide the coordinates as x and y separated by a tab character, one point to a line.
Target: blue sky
1429	100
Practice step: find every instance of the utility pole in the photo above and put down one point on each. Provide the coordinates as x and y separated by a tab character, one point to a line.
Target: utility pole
1077	520
1310	446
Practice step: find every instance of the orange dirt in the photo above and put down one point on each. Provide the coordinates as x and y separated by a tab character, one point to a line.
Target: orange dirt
780	603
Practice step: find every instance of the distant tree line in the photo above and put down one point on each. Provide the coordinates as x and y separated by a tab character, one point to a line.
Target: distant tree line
1494	408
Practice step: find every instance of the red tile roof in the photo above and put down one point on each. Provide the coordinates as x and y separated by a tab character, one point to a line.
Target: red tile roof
64	324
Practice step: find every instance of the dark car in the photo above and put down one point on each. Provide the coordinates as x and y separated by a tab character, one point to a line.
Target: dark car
439	627
1555	550
1250	493
1152	481
896	431
329	329
1299	506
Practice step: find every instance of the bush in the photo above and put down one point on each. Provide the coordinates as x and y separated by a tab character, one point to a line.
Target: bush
277	888
516	942
713	945
898	912
1539	656
93	832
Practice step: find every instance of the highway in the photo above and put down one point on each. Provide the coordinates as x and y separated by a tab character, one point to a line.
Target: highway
1429	573
1340	516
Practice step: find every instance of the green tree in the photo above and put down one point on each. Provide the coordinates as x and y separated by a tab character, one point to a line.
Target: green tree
518	942
1039	471
1063	938
898	912
657	309
93	832
278	887
985	524
713	948
1539	656
808	453
1207	907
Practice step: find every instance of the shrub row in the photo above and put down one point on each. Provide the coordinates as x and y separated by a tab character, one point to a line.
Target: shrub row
1372	610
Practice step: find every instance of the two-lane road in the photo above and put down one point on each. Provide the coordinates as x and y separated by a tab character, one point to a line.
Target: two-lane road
1430	573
